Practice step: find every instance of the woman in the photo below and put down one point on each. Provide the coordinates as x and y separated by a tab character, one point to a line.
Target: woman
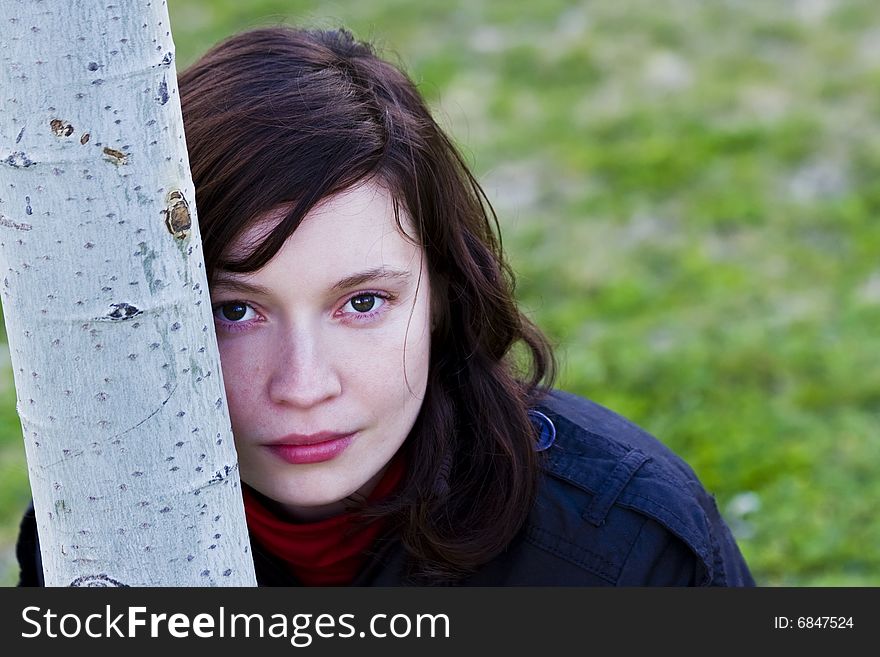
391	406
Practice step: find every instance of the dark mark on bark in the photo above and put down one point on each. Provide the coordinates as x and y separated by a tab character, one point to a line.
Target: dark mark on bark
84	139
27	208
20	135
163	92
4	221
100	580
221	476
117	157
93	66
18	160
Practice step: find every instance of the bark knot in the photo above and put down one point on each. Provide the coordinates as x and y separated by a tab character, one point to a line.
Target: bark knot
117	157
177	216
18	160
61	128
121	312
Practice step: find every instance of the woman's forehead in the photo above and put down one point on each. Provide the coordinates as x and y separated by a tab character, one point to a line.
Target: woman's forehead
363	220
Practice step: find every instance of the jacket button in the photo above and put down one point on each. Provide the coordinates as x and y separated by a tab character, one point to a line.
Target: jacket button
546	431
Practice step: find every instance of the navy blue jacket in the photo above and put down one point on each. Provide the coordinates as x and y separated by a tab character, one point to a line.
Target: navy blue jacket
615	507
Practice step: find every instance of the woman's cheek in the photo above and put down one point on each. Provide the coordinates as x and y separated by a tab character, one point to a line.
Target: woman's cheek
241	360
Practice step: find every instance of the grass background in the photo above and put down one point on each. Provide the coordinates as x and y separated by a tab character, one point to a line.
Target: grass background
689	193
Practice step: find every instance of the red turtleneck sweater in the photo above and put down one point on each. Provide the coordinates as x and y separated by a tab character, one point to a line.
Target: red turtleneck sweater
329	552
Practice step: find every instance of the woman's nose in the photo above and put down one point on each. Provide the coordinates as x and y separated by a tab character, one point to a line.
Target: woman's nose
303	374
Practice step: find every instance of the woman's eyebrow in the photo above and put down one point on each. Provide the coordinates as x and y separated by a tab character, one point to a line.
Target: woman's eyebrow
377	273
235	285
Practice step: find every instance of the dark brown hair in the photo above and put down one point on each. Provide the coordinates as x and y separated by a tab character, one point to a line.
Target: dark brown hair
284	117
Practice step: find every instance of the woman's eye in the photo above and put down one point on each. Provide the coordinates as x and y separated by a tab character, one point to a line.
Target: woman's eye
235	312
364	303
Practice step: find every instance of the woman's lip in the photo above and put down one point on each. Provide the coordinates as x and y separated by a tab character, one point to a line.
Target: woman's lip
310	439
312	452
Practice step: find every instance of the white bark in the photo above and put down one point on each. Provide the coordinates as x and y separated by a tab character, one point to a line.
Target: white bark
120	394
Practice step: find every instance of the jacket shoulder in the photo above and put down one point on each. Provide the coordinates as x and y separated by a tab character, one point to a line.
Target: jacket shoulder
618	502
27	551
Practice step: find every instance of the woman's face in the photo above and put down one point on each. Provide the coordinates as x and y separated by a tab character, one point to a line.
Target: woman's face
325	351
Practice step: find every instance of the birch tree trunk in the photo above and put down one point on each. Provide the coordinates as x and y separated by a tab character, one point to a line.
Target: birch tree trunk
120	394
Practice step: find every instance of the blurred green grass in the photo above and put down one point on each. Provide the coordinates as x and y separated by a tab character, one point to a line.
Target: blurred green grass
688	192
